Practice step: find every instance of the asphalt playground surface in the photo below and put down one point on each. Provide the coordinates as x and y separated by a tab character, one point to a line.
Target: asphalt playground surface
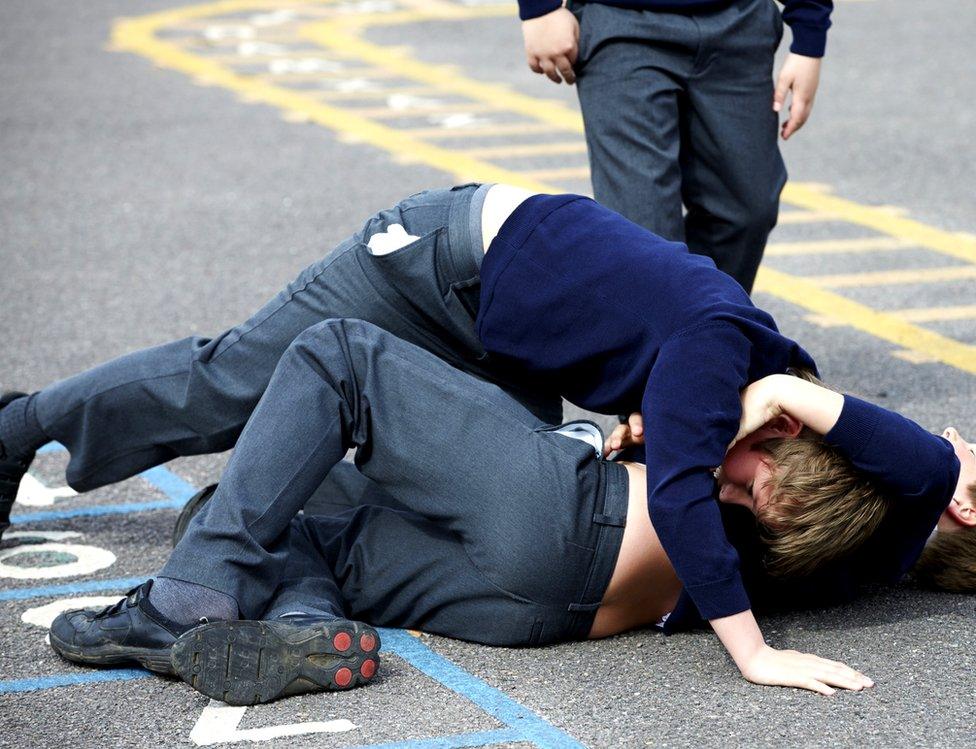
164	179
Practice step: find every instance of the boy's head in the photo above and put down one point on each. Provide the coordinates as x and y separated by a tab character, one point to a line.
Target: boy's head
811	503
948	561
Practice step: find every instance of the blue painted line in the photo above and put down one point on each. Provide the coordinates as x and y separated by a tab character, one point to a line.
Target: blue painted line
480	738
51	447
97	511
176	489
494	702
70	680
71	589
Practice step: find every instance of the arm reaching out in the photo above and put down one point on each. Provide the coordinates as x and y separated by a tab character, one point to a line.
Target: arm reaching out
761	664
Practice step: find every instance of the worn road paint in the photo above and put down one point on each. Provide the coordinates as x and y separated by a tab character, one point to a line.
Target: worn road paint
84	559
218	724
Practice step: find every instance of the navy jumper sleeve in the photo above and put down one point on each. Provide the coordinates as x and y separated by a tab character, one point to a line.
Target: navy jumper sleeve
692	403
917	469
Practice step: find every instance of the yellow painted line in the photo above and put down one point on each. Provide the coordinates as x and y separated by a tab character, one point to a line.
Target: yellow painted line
954	244
344	33
372	93
882	325
138	35
836	246
482	131
804	217
561	173
886	277
342	36
938	314
416	110
342	75
530	149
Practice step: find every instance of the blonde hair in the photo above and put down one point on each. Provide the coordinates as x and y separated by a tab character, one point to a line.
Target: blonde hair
820	508
948	561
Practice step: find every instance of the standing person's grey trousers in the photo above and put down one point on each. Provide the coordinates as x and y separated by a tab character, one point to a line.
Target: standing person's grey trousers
512	532
678	111
195	395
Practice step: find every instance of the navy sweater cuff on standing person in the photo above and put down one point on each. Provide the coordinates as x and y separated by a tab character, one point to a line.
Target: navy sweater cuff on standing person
535	8
807	19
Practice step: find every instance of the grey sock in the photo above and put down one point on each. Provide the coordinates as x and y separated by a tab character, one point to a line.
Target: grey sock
20	434
188	603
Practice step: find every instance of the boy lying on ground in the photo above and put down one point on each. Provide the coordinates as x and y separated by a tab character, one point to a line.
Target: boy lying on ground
498	529
572	300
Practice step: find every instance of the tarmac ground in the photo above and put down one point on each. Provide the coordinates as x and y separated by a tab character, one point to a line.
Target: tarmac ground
165	169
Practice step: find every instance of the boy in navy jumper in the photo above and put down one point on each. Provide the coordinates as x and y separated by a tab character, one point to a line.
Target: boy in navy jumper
679	108
475	553
548	324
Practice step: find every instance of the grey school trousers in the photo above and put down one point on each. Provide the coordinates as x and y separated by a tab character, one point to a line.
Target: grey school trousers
677	109
503	531
194	395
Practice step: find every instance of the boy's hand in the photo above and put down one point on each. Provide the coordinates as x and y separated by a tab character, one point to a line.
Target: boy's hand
761	403
551	44
801	75
790	668
625	435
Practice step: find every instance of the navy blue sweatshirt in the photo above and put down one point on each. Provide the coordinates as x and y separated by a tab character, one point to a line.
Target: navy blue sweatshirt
918	470
807	19
618	320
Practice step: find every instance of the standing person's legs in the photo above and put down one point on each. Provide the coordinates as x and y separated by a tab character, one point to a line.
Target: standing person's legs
732	170
631	71
195	395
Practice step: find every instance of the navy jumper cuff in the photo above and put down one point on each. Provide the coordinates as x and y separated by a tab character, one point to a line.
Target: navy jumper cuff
855	427
535	8
720	598
809	41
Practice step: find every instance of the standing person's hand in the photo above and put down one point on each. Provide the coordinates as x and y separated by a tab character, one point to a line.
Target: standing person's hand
551	44
801	76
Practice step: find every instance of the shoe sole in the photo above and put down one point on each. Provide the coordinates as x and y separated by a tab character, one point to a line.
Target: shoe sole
155	660
250	662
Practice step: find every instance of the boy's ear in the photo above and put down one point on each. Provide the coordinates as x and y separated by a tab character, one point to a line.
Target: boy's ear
784	425
962	511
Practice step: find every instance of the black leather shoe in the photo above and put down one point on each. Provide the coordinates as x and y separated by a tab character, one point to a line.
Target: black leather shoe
193	505
130	631
12	470
248	662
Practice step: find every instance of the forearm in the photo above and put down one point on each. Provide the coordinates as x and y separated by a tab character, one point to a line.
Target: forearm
741	636
814	405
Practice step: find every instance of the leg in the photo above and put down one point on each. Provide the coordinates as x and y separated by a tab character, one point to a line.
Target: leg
630	85
346	383
732	168
195	395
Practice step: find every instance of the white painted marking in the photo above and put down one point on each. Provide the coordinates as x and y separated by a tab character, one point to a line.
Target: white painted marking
42	616
275	18
457	120
303	65
32	493
218	723
86	559
401	102
264	49
217	33
367	6
391	240
352	85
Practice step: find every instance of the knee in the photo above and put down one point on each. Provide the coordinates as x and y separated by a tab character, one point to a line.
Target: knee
334	343
757	215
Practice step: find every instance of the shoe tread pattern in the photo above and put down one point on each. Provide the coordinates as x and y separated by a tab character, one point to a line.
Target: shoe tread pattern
251	662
